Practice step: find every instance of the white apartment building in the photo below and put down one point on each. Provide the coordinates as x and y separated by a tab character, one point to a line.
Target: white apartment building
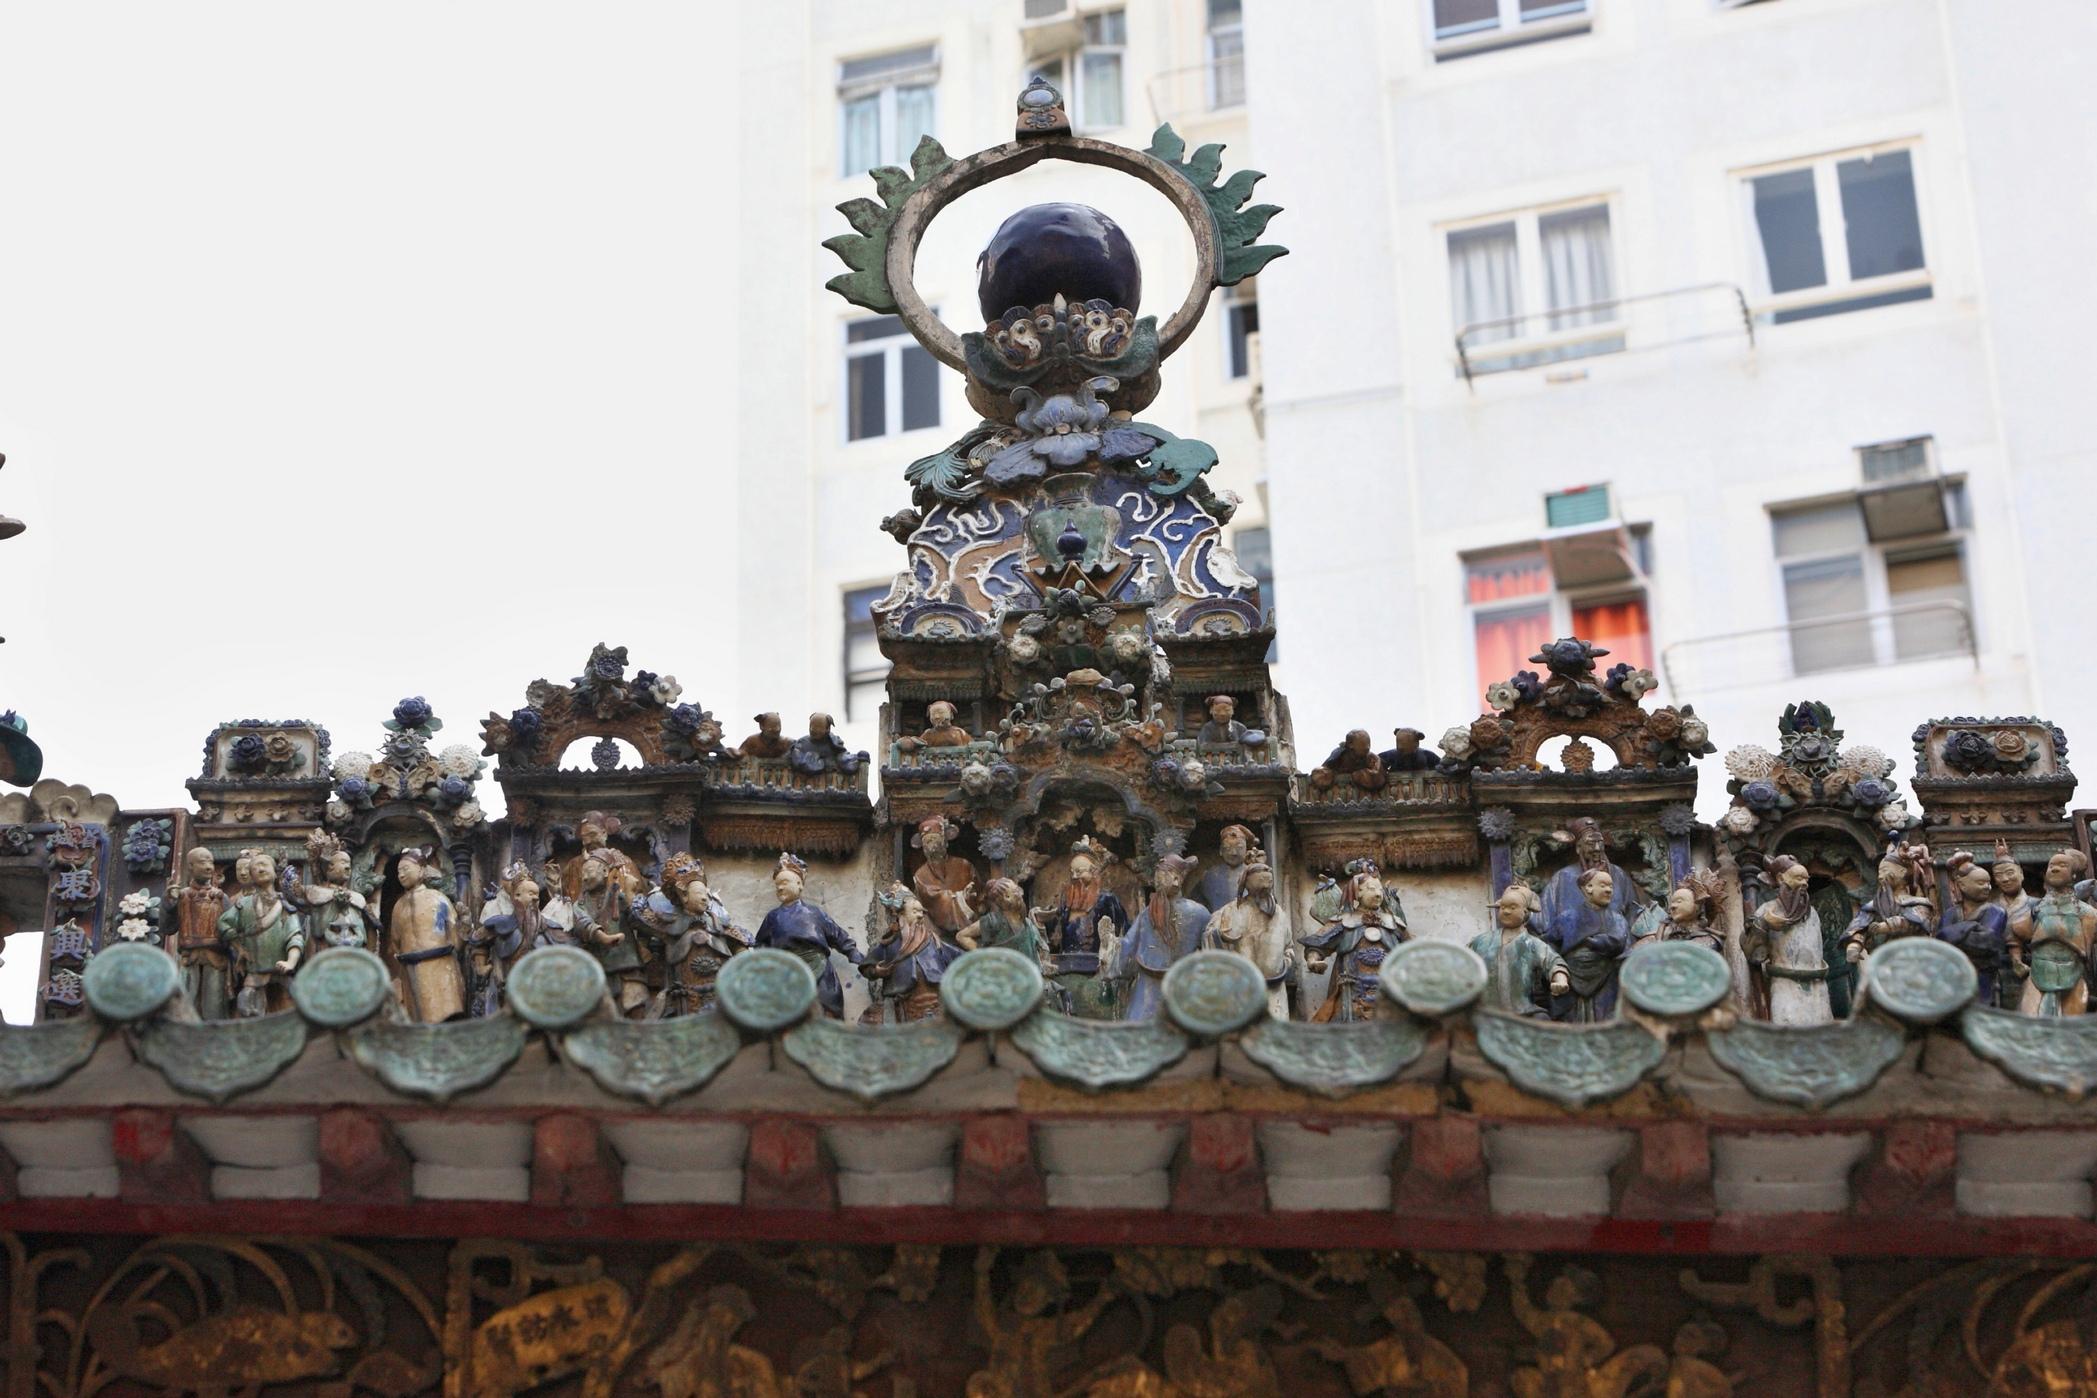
837	402
1742	337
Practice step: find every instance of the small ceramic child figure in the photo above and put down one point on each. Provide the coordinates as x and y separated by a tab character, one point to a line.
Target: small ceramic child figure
1522	972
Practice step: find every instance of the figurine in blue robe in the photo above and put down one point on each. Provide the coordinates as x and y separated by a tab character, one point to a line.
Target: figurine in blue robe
1561	894
908	964
1168	928
809	933
1592	937
1975	923
1368	925
1074	927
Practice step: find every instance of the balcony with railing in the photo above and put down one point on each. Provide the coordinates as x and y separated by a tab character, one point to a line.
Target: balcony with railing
1826	645
1621	325
1188	94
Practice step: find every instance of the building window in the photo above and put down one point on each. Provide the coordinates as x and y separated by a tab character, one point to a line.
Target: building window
891	381
1534	288
1463	27
1255	552
1226	54
1850	602
1516	608
866	668
1841	233
1094	99
1241	326
885	106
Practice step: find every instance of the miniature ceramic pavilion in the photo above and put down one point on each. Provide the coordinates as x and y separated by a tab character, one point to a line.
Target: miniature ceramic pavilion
1324	1148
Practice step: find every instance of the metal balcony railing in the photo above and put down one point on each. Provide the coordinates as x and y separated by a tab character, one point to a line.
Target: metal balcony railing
1178	94
1652	320
1823	645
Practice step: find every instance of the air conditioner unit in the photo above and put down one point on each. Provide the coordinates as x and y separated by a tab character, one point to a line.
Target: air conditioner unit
1587	544
1050	26
1900	490
1046	11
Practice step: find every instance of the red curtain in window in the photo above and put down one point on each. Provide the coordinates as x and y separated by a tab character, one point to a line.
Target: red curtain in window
1517	575
1620	628
1506	640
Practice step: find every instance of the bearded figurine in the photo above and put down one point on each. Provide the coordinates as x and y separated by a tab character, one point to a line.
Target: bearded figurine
1251	926
1784	946
692	928
908	964
1084	919
192	913
805	930
2053	942
1562	895
266	937
1523	974
511	922
1975	923
945	883
1007	923
1353	945
1168	928
1592	938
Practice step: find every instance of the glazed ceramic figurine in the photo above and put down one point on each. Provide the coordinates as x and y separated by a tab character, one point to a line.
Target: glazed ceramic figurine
1784	945
1354	761
2008	877
1562	893
595	831
1685	917
908	964
2053	941
1975	922
1523	974
822	750
1409	752
425	938
1084	917
943	733
1168	927
1592	937
344	917
1219	884
696	936
1251	926
1354	945
1893	910
808	932
768	743
510	922
1008	924
266	937
602	909
1223	731
193	910
945	883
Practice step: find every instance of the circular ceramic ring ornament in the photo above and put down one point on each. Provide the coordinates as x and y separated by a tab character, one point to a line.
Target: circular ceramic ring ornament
1211	993
130	981
1431	978
991	989
1920	979
1675	979
765	990
974	172
340	987
556	987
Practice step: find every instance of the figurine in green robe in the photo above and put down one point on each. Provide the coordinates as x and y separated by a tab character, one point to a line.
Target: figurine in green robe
1522	971
267	939
1006	923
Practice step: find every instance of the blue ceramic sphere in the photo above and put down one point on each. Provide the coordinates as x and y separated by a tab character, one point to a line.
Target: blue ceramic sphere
1046	250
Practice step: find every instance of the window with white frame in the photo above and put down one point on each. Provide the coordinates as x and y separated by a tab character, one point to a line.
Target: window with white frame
1838	233
1226	54
1851	602
1090	77
1541	278
1254	549
1517	606
1241	327
866	668
1462	27
891	381
885	106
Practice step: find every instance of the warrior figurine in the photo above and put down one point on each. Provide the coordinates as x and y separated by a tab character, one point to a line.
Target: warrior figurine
1354	945
2053	941
424	934
1007	924
808	932
693	929
1523	974
1783	944
1686	917
266	937
945	883
601	909
510	922
1592	938
595	832
1251	926
193	910
1219	884
345	917
1085	915
1894	909
909	962
1168	928
1975	923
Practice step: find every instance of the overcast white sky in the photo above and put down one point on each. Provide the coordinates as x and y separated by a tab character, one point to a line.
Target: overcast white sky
348	352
